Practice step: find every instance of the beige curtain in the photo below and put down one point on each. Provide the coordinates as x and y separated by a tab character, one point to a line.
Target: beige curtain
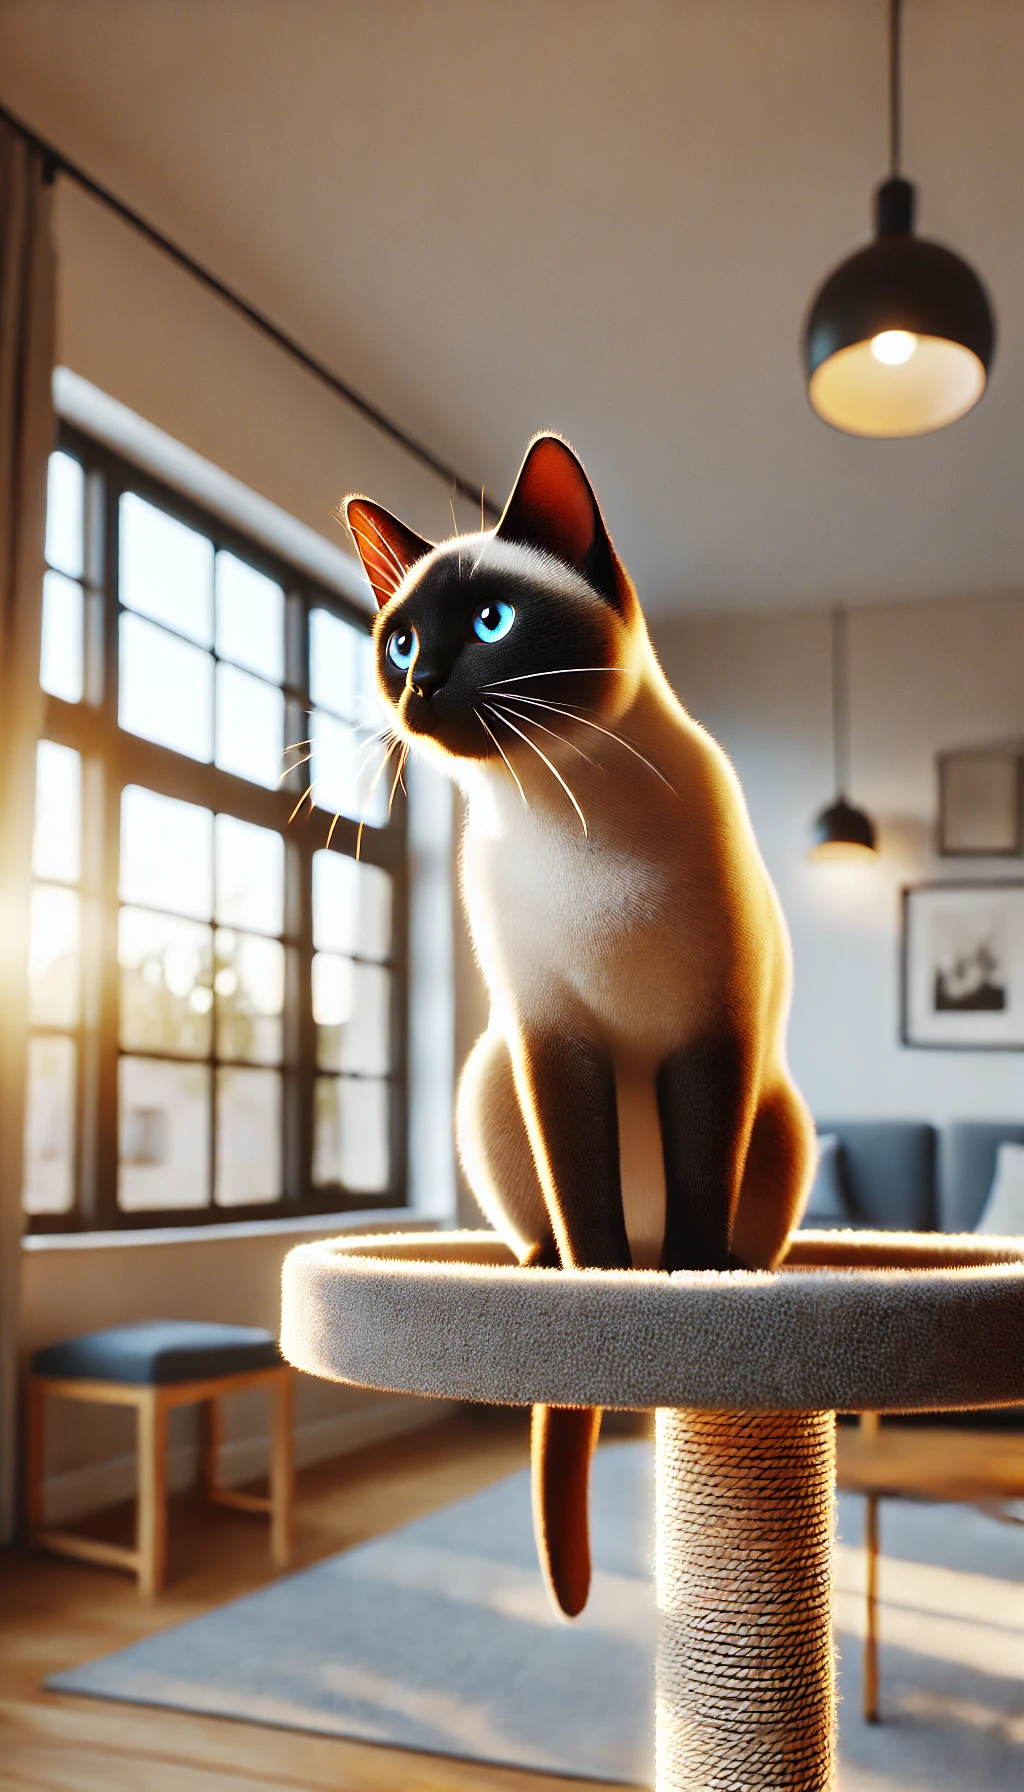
27	295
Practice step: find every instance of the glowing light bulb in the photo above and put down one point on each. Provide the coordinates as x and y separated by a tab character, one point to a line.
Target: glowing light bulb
893	347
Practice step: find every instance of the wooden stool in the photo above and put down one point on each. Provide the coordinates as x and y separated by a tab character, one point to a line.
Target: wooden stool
154	1366
746	1372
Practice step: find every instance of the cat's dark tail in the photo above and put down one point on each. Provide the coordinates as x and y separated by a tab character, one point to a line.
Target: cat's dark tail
562	1441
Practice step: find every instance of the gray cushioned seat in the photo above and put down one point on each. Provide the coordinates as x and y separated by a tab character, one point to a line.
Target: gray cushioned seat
159	1351
888	1169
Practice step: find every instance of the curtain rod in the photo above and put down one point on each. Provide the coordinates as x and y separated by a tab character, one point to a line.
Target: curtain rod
55	162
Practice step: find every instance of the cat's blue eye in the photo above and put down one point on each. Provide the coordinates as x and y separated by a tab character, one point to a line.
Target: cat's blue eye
493	621
402	648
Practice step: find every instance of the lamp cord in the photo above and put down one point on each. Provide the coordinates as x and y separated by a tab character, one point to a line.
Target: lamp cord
895	120
840	707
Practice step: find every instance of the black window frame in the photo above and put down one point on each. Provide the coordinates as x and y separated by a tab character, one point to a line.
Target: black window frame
112	759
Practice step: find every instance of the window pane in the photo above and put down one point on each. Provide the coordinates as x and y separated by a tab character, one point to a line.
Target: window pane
166	853
248	1136
250	618
351	906
57	841
351	1007
249	983
166	569
350	1142
250	727
348	771
62	652
250	876
65	515
166	689
165	1134
341	668
166	983
332	1006
53	958
49	1126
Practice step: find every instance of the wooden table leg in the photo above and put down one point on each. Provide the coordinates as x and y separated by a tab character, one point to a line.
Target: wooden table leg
281	1469
35	1453
872	1715
151	1518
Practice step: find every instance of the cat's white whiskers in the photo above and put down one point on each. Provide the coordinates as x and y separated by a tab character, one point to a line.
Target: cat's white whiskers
396	780
455	528
556	672
369	794
307	792
508	762
564	738
289	769
553	769
572	716
330	831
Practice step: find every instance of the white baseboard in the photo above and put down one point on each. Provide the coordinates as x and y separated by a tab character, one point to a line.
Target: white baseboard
83	1490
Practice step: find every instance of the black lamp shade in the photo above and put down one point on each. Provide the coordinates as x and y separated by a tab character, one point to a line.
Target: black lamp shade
935	321
843	832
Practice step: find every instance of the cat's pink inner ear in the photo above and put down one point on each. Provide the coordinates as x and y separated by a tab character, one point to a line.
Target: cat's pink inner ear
552	506
386	547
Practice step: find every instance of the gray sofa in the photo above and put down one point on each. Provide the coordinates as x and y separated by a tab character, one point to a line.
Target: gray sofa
906	1175
909	1176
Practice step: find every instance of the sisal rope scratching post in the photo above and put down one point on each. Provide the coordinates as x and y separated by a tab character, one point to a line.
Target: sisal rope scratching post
745	1680
745	1371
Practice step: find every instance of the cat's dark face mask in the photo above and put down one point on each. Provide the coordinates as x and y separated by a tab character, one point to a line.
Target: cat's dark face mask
496	638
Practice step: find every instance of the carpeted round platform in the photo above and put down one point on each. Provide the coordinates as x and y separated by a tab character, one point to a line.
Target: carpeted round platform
855	1322
746	1370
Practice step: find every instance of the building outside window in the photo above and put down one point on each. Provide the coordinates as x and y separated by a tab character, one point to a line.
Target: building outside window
217	984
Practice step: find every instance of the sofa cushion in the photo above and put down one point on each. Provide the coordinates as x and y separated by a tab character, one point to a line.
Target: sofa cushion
889	1172
159	1351
1003	1213
969	1152
827	1204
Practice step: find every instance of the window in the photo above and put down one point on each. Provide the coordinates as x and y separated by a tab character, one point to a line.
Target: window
217	982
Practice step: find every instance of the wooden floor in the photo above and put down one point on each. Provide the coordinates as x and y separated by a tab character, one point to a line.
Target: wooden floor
55	1614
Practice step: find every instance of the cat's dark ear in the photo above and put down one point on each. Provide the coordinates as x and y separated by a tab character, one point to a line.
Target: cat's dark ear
553	508
386	547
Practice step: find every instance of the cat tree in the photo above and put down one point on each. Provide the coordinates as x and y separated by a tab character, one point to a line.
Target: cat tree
746	1372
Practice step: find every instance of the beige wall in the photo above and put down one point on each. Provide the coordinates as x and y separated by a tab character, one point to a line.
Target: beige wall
924	677
229	1275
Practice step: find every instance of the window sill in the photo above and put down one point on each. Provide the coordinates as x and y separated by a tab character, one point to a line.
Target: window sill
305	1225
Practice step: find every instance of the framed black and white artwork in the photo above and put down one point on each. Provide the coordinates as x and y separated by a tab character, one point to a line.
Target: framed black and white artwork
963	966
981	813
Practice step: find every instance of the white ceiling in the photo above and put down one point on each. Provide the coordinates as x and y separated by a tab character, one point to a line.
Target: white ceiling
599	216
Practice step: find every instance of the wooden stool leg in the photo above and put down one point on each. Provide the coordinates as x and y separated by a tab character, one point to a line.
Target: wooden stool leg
872	1714
35	1453
151	1520
212	1433
281	1469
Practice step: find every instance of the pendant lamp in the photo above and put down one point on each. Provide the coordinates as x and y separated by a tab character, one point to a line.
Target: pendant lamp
841	831
899	340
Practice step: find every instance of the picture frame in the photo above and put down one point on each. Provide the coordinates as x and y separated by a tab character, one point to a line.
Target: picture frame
981	803
962	966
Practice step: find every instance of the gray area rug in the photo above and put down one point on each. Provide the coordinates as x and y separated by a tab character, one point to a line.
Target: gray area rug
439	1638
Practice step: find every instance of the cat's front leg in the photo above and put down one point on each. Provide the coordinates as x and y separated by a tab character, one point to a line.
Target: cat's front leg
566	1084
706	1106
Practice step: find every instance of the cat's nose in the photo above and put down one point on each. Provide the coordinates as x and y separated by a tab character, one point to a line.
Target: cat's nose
426	683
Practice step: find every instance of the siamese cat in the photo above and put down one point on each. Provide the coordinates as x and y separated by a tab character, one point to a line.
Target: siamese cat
629	1104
